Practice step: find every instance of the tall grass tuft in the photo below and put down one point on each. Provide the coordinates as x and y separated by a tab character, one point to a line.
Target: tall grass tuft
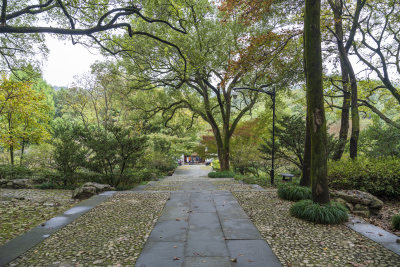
294	192
332	213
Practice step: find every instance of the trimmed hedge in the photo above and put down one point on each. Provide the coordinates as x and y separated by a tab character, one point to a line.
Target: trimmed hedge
221	174
396	222
332	213
378	176
294	192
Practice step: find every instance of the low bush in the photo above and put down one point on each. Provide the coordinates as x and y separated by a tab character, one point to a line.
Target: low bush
123	187
332	213
396	222
215	165
294	192
378	176
221	174
14	172
46	186
261	180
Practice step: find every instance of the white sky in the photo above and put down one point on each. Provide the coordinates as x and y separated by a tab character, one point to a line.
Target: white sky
66	61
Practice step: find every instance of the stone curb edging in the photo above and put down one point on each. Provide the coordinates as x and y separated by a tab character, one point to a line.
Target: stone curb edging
19	245
375	233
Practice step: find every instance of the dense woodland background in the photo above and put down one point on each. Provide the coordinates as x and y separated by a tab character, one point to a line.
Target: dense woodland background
167	88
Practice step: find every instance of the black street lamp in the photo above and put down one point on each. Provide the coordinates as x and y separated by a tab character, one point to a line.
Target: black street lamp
272	95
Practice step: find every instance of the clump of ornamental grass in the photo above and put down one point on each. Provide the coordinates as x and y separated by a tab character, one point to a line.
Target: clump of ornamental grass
331	213
396	222
294	192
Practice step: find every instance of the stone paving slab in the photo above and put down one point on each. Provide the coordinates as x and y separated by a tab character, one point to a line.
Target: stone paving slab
239	229
207	262
165	254
251	253
377	234
212	218
171	230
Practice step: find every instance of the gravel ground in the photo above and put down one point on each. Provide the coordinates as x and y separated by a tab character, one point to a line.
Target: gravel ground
162	188
111	234
300	243
236	187
24	209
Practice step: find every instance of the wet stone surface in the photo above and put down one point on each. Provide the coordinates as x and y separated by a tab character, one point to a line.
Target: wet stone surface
112	233
300	243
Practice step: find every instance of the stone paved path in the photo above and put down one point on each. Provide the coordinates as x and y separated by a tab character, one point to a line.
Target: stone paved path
203	226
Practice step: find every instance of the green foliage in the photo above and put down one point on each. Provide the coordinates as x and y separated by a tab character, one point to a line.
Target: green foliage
215	164
260	180
221	174
39	156
290	138
380	140
69	154
139	175
378	176
123	187
24	115
293	192
396	222
244	153
332	213
14	172
46	186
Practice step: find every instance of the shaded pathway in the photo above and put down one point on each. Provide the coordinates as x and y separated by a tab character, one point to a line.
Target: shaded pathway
203	226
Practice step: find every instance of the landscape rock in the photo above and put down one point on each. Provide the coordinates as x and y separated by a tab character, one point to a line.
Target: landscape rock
16	184
358	202
90	189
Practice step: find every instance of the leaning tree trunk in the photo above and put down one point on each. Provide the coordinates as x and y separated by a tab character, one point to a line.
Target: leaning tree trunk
355	117
337	8
315	101
344	121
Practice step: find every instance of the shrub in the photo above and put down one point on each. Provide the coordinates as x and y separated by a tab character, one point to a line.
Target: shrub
14	172
221	174
396	222
294	192
123	187
260	180
332	213
378	176
215	165
46	186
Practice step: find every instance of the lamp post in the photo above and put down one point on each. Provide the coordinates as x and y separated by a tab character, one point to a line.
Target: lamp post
272	94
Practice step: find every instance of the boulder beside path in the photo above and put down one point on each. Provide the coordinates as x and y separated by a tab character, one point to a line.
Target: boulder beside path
358	202
90	189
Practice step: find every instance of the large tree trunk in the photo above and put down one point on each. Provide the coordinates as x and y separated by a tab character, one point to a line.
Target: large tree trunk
305	175
343	51
22	152
355	117
12	154
223	156
315	102
344	122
